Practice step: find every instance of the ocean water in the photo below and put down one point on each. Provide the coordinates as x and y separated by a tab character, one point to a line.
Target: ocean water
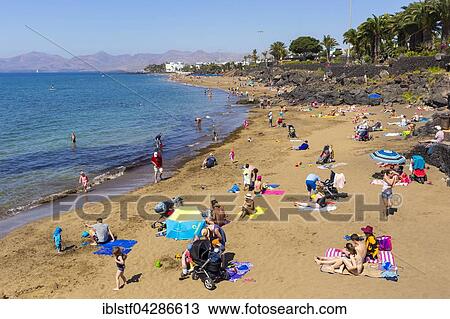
115	121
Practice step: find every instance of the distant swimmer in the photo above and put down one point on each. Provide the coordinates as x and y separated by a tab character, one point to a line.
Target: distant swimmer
198	120
73	138
52	88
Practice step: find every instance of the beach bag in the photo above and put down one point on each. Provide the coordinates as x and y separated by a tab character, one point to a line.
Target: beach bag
384	243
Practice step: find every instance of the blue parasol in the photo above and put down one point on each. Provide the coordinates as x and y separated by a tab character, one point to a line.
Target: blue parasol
388	157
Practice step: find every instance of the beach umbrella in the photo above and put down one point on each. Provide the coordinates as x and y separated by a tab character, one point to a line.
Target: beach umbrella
375	96
184	223
388	157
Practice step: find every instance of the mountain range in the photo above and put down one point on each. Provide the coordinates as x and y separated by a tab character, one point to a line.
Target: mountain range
102	61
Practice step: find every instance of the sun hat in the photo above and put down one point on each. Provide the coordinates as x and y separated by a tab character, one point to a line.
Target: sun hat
367	230
437	127
259	177
248	196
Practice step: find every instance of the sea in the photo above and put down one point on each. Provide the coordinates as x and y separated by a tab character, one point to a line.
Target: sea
115	118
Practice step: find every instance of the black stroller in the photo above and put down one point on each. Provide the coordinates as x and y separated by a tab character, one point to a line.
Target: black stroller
291	131
208	264
165	209
330	191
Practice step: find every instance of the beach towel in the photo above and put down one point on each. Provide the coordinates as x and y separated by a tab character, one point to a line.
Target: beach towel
327	208
331	165
274	192
380	182
333	252
295	140
106	249
369	270
258	212
383	257
272	186
234	189
392	134
238	269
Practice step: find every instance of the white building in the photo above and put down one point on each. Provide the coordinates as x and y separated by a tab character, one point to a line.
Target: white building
172	67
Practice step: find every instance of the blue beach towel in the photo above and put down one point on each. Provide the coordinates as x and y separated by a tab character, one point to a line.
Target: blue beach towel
234	189
238	270
106	249
273	185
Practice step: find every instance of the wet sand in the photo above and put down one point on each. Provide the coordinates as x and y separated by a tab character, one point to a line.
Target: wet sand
282	251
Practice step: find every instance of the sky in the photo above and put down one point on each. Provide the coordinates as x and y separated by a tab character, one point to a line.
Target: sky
155	26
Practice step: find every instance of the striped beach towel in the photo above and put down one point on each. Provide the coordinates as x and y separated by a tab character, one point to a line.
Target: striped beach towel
333	252
383	256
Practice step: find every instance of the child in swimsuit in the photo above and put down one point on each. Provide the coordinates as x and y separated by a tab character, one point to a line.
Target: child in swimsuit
119	258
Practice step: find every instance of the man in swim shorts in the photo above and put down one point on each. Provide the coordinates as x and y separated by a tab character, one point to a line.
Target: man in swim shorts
311	183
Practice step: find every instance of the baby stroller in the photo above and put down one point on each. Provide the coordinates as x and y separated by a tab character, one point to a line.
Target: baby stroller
326	156
362	135
330	191
419	174
165	209
208	264
291	131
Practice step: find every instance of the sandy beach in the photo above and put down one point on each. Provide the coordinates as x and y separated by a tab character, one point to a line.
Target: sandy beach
282	252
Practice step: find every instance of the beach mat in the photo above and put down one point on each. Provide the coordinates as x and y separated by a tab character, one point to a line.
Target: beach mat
331	165
106	249
274	192
271	186
327	208
258	212
380	182
238	269
370	270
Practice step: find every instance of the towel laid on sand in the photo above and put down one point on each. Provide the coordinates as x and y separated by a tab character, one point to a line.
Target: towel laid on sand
274	192
392	134
327	208
380	182
370	270
258	212
106	249
331	165
238	269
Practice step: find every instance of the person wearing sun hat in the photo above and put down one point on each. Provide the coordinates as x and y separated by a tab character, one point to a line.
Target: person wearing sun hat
371	242
248	207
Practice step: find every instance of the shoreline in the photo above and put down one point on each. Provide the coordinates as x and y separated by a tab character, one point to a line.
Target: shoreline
80	274
116	173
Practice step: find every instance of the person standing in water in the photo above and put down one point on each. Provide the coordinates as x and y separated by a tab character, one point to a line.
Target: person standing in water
84	181
73	137
157	165
215	137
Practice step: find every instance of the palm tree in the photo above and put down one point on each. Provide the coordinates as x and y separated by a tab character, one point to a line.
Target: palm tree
371	34
424	15
278	50
264	54
442	10
254	55
329	44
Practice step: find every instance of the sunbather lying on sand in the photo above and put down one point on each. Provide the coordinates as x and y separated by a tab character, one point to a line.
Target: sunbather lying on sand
353	260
